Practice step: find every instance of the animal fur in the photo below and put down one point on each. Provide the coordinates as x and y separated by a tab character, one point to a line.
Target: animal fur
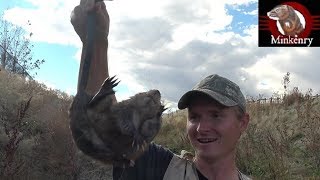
115	133
288	19
128	126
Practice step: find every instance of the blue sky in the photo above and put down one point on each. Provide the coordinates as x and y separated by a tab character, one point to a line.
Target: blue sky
60	68
166	45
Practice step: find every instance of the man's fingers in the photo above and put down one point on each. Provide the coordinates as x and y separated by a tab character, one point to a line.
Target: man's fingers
91	5
79	18
87	5
102	18
98	6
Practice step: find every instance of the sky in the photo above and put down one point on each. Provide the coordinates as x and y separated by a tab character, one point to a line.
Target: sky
166	45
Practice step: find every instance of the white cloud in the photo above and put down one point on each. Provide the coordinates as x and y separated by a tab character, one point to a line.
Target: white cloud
253	13
170	45
50	21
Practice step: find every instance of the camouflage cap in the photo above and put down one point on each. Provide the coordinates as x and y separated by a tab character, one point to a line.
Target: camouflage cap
220	89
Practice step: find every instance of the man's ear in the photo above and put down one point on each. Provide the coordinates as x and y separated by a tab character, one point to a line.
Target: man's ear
244	122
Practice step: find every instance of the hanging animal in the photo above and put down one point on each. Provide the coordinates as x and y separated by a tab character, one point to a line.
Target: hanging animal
112	132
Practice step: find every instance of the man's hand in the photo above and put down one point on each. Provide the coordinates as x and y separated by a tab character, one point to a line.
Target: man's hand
98	71
79	19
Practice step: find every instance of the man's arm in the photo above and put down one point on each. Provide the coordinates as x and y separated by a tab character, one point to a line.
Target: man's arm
151	165
98	71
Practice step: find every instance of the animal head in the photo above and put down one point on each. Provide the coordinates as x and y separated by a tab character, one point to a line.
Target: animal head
145	110
151	110
148	103
140	118
280	12
289	21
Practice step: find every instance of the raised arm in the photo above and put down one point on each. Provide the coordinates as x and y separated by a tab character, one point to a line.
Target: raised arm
98	70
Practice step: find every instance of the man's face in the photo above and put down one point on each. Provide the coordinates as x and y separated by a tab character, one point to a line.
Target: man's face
213	129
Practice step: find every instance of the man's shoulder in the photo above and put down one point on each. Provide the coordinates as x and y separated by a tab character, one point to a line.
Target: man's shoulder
244	177
156	148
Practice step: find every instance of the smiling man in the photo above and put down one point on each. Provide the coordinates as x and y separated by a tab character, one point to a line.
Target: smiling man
216	119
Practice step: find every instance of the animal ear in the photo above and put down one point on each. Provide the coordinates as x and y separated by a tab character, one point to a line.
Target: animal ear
289	8
163	108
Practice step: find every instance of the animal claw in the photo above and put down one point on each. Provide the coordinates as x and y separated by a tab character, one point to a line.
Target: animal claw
105	90
131	163
132	145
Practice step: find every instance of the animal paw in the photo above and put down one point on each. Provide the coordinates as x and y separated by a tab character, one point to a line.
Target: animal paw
105	90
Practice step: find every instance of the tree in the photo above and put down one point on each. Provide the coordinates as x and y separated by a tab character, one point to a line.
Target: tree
16	49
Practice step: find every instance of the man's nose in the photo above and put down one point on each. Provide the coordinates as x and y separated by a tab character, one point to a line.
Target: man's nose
203	126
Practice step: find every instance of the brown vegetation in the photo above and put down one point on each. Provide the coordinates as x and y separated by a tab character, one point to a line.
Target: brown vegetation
35	140
281	142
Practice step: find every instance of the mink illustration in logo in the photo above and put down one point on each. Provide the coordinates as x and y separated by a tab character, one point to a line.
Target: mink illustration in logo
288	18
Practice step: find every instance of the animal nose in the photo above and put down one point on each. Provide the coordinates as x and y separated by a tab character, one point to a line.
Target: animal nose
155	92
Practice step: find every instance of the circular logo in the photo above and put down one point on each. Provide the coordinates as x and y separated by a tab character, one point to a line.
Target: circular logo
290	19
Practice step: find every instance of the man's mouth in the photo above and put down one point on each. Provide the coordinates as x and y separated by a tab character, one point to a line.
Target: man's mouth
206	140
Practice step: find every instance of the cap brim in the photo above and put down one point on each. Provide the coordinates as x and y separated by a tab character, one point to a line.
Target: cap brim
185	99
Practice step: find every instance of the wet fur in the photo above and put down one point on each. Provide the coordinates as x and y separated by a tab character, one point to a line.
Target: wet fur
111	132
115	133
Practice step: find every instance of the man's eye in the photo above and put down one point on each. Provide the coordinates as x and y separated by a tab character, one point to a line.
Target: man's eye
193	118
215	116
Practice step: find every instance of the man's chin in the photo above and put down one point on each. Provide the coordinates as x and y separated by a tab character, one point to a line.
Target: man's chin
206	157
205	147
207	153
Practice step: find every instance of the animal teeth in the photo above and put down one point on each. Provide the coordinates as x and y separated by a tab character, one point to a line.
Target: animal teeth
131	164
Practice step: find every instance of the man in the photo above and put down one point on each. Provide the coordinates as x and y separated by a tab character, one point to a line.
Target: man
216	119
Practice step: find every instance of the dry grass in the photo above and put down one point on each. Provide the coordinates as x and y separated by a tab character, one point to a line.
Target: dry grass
281	142
173	132
46	149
